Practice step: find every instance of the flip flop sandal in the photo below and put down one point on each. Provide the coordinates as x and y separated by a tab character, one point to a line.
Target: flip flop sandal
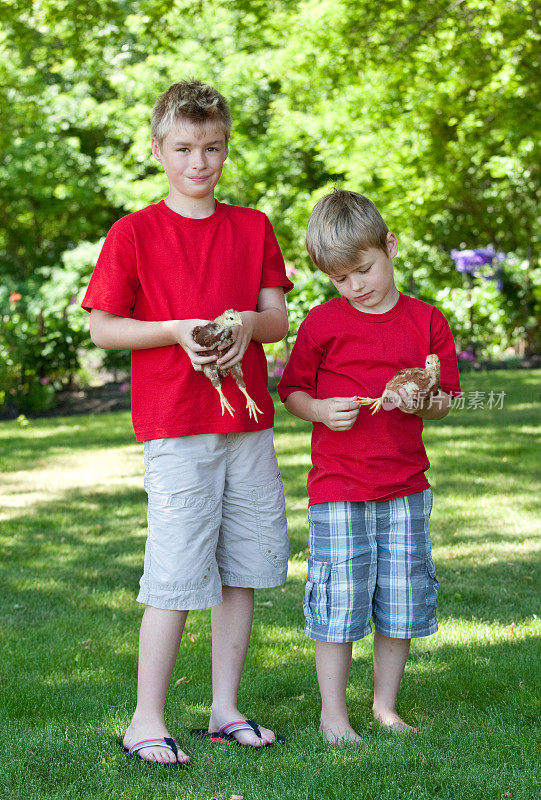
170	744
225	734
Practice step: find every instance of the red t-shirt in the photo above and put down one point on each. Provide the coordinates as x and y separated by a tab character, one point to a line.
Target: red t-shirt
343	352
157	265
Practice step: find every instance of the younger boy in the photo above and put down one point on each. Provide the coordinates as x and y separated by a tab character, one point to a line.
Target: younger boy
216	519
369	499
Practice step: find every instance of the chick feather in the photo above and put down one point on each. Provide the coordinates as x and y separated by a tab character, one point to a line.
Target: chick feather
212	335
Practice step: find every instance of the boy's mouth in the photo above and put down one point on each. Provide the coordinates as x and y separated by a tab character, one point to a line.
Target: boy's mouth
364	296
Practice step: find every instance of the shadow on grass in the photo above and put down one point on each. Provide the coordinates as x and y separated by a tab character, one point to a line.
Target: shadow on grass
71	680
91	544
69	634
26	447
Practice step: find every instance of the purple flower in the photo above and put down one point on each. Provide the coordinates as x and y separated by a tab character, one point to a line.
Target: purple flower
44	381
124	387
466	355
470	261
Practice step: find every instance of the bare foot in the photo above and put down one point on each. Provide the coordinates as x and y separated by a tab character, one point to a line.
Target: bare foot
339	733
393	722
140	730
220	717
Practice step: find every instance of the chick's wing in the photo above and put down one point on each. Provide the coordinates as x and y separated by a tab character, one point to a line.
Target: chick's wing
208	335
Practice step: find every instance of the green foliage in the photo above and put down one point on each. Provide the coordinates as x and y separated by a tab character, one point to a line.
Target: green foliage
35	353
43	331
429	109
491	318
311	288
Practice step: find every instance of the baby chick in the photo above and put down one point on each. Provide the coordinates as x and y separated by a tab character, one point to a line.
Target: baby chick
414	380
213	334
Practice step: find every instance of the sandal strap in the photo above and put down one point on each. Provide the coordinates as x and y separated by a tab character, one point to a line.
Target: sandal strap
239	725
170	744
255	727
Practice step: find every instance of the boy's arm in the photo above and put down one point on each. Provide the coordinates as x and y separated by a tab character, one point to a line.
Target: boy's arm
337	413
111	332
268	324
298	385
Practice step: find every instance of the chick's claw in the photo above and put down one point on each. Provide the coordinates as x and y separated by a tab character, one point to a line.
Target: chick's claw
374	403
224	403
250	404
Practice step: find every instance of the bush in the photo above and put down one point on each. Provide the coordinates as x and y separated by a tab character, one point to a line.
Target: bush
38	350
491	312
43	332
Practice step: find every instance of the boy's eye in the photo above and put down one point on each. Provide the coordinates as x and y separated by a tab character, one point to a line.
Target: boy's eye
362	271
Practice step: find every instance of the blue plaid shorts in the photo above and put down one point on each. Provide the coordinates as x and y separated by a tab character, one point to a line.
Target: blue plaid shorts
371	559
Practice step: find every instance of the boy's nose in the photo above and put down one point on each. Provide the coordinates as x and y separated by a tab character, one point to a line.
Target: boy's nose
197	160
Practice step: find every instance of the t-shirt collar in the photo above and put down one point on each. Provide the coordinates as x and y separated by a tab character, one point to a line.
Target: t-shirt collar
180	219
373	318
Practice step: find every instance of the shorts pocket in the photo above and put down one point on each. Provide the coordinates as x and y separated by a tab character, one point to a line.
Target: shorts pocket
270	509
316	595
182	535
432	583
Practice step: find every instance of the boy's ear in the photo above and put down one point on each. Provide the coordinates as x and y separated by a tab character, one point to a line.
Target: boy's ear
156	149
392	244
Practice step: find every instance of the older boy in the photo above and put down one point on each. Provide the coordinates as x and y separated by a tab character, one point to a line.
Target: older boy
216	520
369	499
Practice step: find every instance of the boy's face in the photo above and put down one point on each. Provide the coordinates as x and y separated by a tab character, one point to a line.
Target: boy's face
192	156
369	284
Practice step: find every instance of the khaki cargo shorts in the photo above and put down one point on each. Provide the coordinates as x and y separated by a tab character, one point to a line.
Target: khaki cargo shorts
216	516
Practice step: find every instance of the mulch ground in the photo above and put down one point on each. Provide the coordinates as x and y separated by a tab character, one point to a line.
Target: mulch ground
91	400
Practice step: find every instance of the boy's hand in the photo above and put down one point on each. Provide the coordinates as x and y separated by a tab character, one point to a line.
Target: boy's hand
194	351
426	406
337	413
412	403
242	336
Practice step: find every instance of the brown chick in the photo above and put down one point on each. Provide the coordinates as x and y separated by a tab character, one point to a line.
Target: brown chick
424	382
213	334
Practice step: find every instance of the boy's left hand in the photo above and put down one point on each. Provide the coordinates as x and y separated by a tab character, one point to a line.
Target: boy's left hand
414	402
426	406
242	336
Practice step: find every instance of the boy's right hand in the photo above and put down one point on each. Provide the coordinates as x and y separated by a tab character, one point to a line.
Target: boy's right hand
198	355
337	413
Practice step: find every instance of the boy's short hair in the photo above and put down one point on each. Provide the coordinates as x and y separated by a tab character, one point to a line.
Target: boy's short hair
189	100
341	225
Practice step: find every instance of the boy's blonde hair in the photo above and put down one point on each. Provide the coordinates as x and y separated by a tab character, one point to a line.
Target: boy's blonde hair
341	225
189	100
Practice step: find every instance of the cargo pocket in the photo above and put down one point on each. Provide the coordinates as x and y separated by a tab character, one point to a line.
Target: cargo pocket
270	509
182	537
316	595
432	584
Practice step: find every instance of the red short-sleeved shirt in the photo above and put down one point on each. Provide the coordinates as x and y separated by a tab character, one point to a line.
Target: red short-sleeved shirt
157	265
343	352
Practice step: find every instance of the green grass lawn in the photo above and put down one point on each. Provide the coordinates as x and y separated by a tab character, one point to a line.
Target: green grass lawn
72	539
